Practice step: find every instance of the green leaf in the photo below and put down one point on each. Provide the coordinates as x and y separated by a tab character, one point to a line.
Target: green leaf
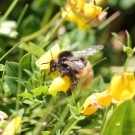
38	91
12	76
64	42
129	51
12	69
12	83
26	95
33	49
2	67
129	43
35	92
122	121
26	84
97	84
28	62
123	4
46	133
119	39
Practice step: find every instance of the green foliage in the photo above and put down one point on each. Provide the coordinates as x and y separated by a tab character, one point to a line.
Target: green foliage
122	117
123	4
33	48
28	29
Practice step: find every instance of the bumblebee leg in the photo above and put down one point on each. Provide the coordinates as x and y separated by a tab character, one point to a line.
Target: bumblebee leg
65	71
74	81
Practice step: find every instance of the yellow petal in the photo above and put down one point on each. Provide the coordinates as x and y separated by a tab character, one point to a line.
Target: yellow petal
12	126
77	4
99	19
89	110
95	101
73	16
91	11
59	84
82	23
89	101
44	61
80	5
123	86
69	15
104	98
90	105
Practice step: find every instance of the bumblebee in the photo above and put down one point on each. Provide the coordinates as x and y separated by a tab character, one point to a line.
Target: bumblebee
73	65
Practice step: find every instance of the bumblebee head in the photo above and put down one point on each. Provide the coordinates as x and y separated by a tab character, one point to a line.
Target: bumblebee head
52	66
64	56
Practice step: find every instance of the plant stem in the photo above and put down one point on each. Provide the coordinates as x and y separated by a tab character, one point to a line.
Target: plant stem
74	122
2	79
42	30
39	127
22	14
47	13
109	20
126	63
59	123
104	121
51	34
9	10
9	51
19	84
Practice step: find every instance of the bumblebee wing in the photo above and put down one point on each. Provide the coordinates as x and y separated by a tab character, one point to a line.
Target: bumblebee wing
75	65
88	52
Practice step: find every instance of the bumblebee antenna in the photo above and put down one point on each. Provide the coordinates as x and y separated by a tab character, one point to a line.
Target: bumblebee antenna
51	53
99	61
45	63
51	58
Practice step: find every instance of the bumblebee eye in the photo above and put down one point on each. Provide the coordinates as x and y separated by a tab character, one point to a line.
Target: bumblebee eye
53	66
63	58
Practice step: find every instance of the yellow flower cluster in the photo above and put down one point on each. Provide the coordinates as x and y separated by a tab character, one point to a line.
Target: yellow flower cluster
59	83
83	13
13	126
121	88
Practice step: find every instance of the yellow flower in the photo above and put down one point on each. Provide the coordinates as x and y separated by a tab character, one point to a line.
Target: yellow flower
82	23
77	4
90	105
44	61
13	126
71	16
122	86
82	13
91	11
99	19
59	84
95	101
